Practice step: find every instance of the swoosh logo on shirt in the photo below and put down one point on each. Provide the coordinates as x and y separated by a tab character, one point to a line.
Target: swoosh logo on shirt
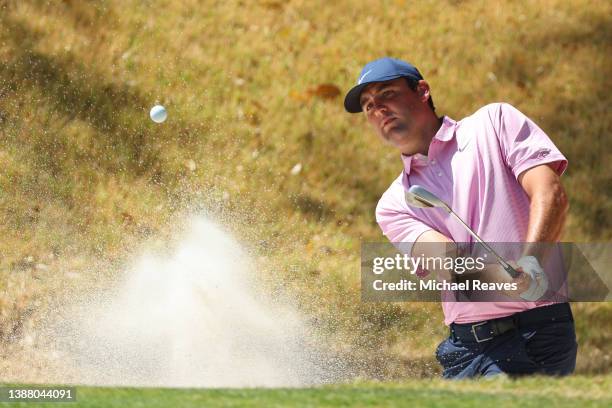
363	76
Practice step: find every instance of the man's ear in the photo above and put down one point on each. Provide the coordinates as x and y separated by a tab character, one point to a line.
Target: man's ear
423	90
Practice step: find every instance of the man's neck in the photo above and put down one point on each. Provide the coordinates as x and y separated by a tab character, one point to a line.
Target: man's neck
427	134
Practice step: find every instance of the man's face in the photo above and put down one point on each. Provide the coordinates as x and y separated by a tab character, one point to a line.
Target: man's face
396	112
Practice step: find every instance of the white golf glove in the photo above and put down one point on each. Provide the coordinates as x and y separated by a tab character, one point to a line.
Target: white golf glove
539	280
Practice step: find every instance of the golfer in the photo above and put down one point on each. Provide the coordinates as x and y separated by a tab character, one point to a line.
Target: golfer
500	173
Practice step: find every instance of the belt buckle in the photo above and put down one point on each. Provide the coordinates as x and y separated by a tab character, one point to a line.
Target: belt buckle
476	336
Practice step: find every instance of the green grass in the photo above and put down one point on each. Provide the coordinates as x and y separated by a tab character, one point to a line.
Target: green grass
501	392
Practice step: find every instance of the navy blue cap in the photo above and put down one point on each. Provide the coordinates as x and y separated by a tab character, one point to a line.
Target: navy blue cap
384	69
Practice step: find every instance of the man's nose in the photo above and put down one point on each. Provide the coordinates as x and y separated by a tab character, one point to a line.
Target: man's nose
380	109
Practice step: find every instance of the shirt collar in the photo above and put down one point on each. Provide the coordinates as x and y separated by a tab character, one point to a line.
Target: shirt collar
444	134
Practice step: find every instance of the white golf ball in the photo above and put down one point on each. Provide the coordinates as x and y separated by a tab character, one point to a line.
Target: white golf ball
158	114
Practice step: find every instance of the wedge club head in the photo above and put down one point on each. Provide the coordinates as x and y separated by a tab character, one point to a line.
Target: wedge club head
419	197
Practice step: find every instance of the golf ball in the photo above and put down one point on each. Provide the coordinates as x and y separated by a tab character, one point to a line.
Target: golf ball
158	114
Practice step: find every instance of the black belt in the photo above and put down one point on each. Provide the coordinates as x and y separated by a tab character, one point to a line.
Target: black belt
488	329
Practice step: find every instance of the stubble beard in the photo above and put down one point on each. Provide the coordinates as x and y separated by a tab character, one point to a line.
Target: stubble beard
398	136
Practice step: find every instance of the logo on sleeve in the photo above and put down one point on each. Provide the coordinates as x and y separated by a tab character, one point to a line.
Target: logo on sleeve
542	153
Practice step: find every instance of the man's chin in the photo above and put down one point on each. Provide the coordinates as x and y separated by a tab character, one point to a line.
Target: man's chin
397	139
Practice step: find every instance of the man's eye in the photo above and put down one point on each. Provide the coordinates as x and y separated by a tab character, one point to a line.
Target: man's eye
388	94
368	107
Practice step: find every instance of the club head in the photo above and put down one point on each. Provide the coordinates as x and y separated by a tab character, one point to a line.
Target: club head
418	196
413	201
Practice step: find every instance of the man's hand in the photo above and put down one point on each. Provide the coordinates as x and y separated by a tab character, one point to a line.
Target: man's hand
533	282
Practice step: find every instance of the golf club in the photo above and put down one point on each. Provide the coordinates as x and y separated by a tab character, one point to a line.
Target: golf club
418	196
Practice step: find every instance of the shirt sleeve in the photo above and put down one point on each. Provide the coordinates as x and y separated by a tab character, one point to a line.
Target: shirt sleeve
524	144
395	220
398	225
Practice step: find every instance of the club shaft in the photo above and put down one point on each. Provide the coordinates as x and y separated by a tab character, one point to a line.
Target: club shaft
511	271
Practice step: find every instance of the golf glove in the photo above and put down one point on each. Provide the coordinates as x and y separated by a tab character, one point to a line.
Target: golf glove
539	281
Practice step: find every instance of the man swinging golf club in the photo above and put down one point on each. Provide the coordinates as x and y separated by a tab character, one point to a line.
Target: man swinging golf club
498	173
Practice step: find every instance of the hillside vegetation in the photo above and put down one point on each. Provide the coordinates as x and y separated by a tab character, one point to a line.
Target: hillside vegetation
254	90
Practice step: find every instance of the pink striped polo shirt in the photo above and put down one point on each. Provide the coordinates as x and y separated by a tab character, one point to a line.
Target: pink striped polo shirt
473	165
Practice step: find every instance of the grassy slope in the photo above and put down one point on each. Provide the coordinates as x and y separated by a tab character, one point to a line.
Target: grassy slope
532	392
85	174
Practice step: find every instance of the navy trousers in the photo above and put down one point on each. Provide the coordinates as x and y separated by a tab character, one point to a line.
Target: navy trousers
545	348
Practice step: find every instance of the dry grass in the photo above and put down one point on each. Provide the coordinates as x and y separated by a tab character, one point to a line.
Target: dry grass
85	174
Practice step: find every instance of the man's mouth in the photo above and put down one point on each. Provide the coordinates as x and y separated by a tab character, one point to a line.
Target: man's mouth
386	122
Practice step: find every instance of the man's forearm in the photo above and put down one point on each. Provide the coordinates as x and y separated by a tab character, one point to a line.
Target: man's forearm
434	244
548	206
547	215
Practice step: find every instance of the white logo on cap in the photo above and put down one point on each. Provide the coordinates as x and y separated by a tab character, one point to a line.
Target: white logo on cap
363	76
